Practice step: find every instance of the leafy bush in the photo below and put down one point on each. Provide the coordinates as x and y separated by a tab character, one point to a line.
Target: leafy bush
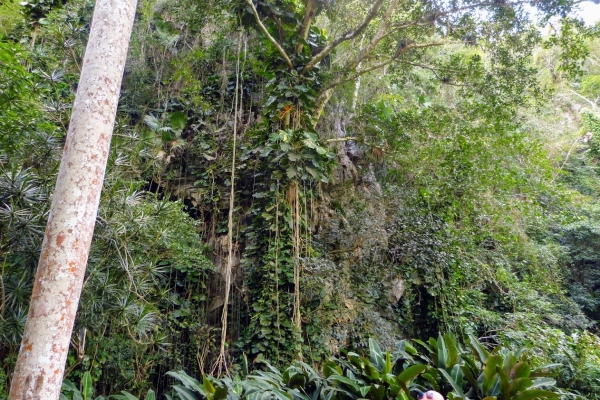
499	374
71	392
353	377
481	374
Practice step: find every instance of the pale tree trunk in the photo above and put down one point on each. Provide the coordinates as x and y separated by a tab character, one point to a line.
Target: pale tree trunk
39	371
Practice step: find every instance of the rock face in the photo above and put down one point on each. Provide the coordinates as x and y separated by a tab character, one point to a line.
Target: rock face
397	289
351	235
351	289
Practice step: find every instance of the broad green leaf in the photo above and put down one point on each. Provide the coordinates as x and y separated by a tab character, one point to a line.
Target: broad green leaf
455	386
411	373
543	370
519	385
426	345
330	368
187	394
285	147
124	396
391	380
536	394
504	380
87	385
321	150
310	143
281	395
453	356
270	101
375	353
371	371
510	362
387	368
405	347
297	394
489	374
429	377
457	374
402	396
344	380
178	120
68	385
377	392
548	366
220	393
150	395
313	172
293	156
188	381
364	390
478	350
521	370
442	352
291	172
469	376
541	382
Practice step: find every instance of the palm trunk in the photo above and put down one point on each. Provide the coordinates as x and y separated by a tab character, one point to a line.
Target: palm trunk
57	288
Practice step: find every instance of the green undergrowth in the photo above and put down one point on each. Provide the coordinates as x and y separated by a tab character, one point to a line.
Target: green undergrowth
473	372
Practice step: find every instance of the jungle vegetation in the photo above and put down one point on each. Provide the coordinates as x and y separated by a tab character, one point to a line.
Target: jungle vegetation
294	186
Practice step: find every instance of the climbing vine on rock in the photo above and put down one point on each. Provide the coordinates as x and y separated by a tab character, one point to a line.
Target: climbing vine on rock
291	164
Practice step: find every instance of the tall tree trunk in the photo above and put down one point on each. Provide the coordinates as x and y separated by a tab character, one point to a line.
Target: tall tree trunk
61	269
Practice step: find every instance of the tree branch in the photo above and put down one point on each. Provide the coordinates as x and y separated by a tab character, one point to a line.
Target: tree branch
345	37
454	10
341	79
344	139
309	14
268	35
280	29
591	103
325	94
435	71
379	35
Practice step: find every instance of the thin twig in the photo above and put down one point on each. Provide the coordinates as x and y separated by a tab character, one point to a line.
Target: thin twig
591	103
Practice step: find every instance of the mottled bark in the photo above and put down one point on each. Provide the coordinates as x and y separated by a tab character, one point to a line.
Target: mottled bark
320	104
57	288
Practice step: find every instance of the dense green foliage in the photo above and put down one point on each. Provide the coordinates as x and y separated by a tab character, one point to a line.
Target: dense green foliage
434	170
473	374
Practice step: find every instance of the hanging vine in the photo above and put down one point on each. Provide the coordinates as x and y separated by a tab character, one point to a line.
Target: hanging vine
221	362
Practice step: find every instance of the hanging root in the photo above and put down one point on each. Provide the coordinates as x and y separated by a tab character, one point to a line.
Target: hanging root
294	202
220	365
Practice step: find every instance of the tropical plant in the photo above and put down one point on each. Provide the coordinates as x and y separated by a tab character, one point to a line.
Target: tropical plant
128	396
71	392
376	377
352	377
499	374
